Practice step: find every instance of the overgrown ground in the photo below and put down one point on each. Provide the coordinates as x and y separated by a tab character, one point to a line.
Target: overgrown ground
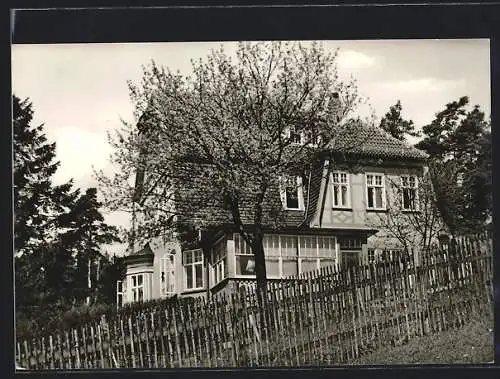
471	344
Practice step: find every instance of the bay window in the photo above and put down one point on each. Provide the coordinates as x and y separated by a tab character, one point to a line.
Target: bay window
287	255
327	251
245	262
375	191
219	263
192	261
271	245
137	287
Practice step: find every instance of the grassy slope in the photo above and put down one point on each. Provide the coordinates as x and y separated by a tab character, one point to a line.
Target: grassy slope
471	344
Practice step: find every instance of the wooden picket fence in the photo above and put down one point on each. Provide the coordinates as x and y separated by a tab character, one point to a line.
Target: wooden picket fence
329	317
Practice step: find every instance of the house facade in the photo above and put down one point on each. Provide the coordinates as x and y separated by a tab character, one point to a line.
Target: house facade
333	216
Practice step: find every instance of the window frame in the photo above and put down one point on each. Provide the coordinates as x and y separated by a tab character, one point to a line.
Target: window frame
339	183
120	293
219	262
300	192
371	255
297	257
293	130
408	187
374	185
391	255
134	289
192	266
246	251
164	285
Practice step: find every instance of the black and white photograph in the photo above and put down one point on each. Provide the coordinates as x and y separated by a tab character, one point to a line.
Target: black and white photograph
252	204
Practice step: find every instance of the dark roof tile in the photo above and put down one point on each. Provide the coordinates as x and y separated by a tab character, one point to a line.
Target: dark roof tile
358	138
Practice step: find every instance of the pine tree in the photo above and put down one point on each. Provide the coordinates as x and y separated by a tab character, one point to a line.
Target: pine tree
394	124
57	230
459	144
36	200
85	233
37	204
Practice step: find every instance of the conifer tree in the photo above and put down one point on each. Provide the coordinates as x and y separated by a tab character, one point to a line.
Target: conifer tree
57	230
396	126
459	144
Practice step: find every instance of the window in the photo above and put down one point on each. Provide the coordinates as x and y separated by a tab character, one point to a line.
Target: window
307	136
167	275
409	192
340	189
371	256
350	243
294	135
219	263
375	191
119	293
193	269
137	287
315	252
271	243
287	255
392	255
245	262
292	195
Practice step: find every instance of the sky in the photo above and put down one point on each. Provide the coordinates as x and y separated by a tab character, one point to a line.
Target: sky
79	91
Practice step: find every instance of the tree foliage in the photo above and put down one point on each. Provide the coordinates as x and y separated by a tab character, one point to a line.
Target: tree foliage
56	228
396	126
458	141
220	138
37	202
417	227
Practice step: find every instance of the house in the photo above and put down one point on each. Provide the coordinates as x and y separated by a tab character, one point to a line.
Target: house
330	217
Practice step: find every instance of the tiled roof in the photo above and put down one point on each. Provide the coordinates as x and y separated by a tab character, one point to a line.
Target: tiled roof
146	250
357	138
196	199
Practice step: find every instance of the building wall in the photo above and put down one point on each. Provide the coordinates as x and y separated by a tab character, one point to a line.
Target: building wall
356	217
160	249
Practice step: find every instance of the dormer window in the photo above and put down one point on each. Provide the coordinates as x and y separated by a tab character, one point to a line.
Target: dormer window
303	137
292	193
294	135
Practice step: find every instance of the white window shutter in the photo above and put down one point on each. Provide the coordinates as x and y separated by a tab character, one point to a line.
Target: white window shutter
300	190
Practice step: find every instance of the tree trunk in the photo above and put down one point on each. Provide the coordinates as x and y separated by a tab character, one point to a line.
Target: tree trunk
260	274
260	260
